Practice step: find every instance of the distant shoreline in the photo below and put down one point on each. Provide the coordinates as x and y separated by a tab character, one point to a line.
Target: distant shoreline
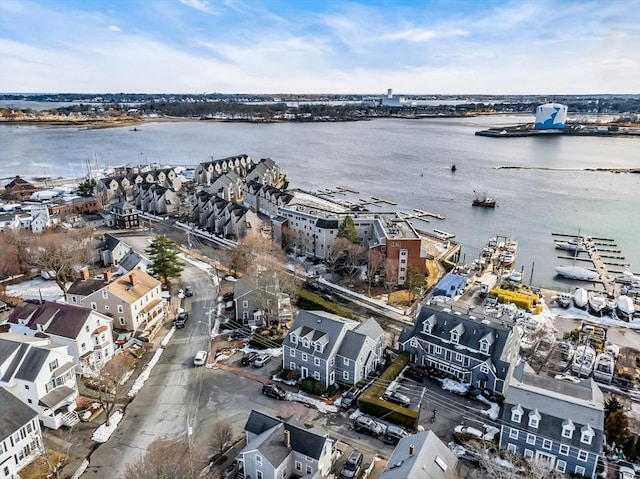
546	168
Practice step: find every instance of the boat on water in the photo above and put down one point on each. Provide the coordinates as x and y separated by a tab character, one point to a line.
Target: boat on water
583	360
597	303
576	245
577	272
482	199
581	298
625	308
453	168
603	368
564	300
516	276
626	277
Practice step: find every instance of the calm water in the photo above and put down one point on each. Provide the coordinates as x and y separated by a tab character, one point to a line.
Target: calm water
408	161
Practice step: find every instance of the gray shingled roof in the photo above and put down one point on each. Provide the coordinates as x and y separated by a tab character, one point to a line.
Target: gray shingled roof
84	287
371	328
309	322
303	441
14	414
32	364
351	345
422	464
64	320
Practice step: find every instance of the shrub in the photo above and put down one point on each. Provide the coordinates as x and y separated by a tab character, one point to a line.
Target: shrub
309	301
289	374
331	390
319	388
307	385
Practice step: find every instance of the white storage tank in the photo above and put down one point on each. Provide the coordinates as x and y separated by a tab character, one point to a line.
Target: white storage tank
551	115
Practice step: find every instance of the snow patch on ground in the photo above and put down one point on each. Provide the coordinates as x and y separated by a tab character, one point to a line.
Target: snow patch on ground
168	337
454	386
494	408
319	405
35	289
278	379
104	432
275	352
198	264
126	378
144	375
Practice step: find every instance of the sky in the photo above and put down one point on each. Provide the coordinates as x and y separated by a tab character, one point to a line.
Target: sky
324	46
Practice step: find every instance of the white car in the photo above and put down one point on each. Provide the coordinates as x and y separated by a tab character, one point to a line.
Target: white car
180	293
201	357
469	431
261	360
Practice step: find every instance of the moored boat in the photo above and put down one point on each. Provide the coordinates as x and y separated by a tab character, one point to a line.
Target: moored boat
583	360
603	368
577	272
626	277
625	308
564	300
573	245
507	259
597	303
482	199
581	298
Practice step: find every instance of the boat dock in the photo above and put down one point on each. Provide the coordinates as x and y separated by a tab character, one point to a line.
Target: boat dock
600	262
338	190
420	215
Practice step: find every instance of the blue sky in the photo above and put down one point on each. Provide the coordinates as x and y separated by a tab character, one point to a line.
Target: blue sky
303	46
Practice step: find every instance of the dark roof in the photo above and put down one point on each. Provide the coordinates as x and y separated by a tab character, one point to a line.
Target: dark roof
84	287
110	242
32	364
314	324
14	414
327	224
63	320
302	441
20	183
7	350
430	457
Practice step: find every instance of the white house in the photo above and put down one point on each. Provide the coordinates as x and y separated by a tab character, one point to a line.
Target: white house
87	334
40	374
20	435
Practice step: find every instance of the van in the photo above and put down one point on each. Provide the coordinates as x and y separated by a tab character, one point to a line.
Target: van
352	465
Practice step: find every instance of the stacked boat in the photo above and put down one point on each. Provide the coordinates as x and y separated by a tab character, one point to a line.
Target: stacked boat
597	303
604	367
581	298
583	360
625	308
564	300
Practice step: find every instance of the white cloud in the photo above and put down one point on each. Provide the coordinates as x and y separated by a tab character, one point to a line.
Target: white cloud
114	28
201	5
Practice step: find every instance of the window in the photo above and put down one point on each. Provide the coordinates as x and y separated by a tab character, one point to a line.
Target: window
318	347
546	443
513	433
105	294
561	466
26	386
106	307
564	449
298	466
309	469
345	375
528	454
245	304
284	472
583	455
74	299
516	414
259	460
580	470
94	306
484	346
316	361
531	439
438	350
304	356
534	419
345	361
512	448
53	365
333	361
567	430
586	436
120	309
122	321
292	365
258	474
316	375
305	342
86	328
454	336
458	357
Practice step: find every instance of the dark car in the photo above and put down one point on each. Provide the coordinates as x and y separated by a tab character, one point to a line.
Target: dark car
347	399
188	292
397	398
180	321
249	358
352	465
393	434
274	391
414	374
367	425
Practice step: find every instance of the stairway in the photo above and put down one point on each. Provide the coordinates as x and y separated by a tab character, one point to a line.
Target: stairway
70	418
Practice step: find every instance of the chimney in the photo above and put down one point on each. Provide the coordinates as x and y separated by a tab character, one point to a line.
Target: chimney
287	438
84	273
108	276
412	448
133	279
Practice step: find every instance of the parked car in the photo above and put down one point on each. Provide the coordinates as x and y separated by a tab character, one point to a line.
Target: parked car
274	391
411	373
393	434
261	360
188	292
181	320
465	433
201	357
625	470
396	398
367	425
180	293
352	465
142	336
249	358
347	399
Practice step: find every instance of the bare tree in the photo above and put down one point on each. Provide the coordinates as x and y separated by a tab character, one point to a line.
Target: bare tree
51	461
60	253
166	459
221	437
413	282
375	267
108	379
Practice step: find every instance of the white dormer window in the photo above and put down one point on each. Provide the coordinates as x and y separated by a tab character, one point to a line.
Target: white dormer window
413	342
484	346
567	429
305	342
455	337
586	434
484	368
534	419
294	338
318	347
516	413
427	326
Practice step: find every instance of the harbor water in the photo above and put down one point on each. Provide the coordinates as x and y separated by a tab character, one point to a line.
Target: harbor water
547	189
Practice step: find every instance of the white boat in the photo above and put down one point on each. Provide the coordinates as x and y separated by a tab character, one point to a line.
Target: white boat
568	350
603	368
507	259
626	277
597	303
576	246
625	308
564	300
516	276
583	360
577	272
581	298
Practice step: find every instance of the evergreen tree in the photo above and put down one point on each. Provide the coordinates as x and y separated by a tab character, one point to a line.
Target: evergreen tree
347	230
86	187
163	257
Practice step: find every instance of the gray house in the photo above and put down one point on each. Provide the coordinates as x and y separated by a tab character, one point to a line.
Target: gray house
332	349
257	304
473	348
279	449
554	421
112	250
420	456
